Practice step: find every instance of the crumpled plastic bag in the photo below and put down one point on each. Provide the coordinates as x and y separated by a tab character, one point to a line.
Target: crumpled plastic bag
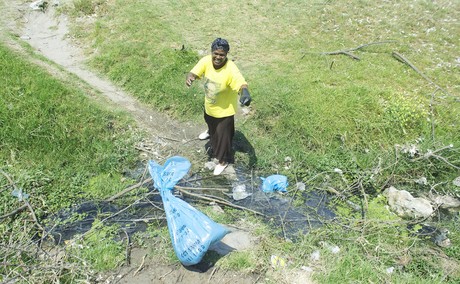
191	231
274	183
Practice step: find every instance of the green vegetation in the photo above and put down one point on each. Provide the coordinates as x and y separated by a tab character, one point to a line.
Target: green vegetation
323	111
56	145
357	126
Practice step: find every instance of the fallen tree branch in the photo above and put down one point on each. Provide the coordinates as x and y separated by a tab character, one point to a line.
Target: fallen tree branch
402	59
14	212
433	154
27	204
126	190
203	188
355	207
348	51
220	202
140	266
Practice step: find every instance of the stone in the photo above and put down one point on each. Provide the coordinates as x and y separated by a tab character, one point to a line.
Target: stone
446	202
406	206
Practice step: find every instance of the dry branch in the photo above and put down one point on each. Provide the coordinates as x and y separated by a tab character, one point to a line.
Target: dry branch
27	204
220	202
14	212
401	58
434	155
126	190
348	51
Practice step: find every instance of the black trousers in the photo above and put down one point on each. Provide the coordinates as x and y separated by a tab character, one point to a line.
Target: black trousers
221	131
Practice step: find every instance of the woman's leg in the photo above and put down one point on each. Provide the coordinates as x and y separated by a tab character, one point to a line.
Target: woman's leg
221	131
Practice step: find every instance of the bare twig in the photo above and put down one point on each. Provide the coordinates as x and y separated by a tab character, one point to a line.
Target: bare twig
126	190
401	58
366	204
212	273
128	248
140	266
203	188
433	154
32	212
348	51
14	212
220	202
166	274
355	207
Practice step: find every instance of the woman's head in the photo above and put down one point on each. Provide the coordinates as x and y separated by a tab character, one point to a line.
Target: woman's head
219	50
220	43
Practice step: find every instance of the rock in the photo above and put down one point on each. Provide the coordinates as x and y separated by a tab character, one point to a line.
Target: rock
235	240
446	202
406	206
456	181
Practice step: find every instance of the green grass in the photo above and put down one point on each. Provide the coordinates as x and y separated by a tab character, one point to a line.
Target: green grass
57	145
319	109
323	111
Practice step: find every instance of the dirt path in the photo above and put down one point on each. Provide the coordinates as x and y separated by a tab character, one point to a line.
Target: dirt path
48	36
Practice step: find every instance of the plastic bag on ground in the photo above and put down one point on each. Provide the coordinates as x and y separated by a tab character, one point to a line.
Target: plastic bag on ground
191	231
274	183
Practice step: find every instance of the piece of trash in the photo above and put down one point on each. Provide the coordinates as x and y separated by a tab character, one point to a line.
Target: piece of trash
339	171
277	262
191	231
334	249
421	181
274	183
315	255
19	194
306	268
209	165
390	270
300	186
239	192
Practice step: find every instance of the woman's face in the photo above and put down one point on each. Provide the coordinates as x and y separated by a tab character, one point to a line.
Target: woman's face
219	57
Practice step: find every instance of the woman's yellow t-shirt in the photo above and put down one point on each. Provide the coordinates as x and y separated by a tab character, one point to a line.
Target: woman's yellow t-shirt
221	86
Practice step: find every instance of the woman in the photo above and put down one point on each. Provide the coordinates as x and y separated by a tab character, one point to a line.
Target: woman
223	83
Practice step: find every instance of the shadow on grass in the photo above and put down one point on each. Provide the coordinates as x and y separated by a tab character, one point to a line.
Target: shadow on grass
240	144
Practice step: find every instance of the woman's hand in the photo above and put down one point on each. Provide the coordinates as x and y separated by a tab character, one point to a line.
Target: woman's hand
190	78
245	98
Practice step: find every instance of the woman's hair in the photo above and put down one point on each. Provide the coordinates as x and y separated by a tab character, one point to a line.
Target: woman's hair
220	43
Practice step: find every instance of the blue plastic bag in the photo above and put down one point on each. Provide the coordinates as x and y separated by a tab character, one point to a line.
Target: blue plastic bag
191	231
274	183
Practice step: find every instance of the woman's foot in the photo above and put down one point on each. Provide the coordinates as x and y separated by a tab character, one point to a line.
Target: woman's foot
204	135
220	168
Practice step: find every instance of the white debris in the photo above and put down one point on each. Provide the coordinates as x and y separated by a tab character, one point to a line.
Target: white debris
239	192
421	180
300	186
315	255
390	270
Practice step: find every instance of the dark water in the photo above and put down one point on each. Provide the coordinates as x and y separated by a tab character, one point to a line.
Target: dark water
288	219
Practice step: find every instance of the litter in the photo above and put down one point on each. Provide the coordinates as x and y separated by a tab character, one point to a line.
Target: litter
274	183
191	231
